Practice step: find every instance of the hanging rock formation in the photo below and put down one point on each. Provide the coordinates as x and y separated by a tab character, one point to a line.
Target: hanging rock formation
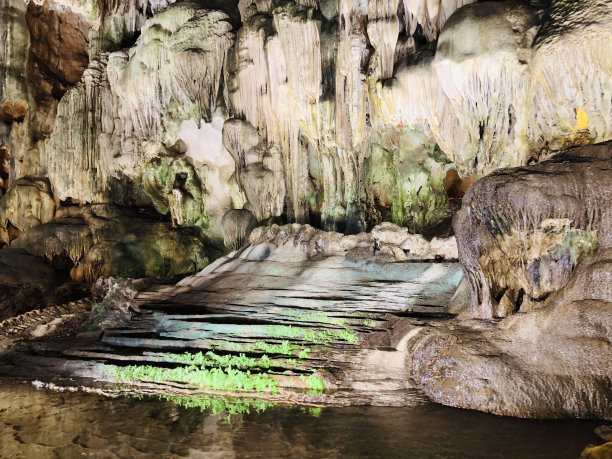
351	112
522	232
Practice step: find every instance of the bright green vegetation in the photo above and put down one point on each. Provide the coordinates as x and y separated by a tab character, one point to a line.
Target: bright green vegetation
316	384
210	359
312	335
320	317
304	353
228	379
236	373
284	348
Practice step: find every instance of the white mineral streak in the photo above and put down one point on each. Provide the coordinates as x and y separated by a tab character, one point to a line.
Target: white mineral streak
206	152
259	169
175	202
173	72
431	15
383	29
572	73
351	65
134	12
276	87
78	161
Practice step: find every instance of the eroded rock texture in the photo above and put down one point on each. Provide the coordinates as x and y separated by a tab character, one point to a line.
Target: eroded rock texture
58	53
551	362
522	232
338	114
535	244
101	241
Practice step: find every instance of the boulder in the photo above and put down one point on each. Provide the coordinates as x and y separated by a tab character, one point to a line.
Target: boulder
535	245
523	231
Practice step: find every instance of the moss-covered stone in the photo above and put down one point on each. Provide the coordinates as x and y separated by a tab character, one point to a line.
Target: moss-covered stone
404	180
175	187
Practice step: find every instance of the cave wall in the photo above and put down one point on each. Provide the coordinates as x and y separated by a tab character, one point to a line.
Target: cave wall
341	114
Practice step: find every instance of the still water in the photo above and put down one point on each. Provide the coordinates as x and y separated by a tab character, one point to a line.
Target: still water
46	424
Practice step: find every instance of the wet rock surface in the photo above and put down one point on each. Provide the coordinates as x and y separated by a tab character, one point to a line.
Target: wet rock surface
313	315
550	356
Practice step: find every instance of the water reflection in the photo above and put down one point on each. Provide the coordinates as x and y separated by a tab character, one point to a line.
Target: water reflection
40	424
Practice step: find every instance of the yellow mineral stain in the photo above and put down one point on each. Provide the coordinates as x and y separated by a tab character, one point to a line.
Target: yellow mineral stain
582	121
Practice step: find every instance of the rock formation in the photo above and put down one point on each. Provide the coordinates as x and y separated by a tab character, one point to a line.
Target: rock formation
534	244
355	122
522	232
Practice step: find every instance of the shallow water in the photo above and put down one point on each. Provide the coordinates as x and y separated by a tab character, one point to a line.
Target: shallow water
41	423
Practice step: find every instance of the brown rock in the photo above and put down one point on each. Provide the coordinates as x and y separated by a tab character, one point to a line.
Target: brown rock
536	246
526	229
456	187
12	111
58	53
597	452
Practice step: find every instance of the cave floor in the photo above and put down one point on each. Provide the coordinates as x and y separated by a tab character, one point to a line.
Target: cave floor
341	323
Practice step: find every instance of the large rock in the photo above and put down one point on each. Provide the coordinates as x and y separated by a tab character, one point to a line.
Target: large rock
549	363
522	232
507	84
536	246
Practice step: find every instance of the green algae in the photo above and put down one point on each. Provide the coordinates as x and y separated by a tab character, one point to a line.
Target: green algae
405	176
